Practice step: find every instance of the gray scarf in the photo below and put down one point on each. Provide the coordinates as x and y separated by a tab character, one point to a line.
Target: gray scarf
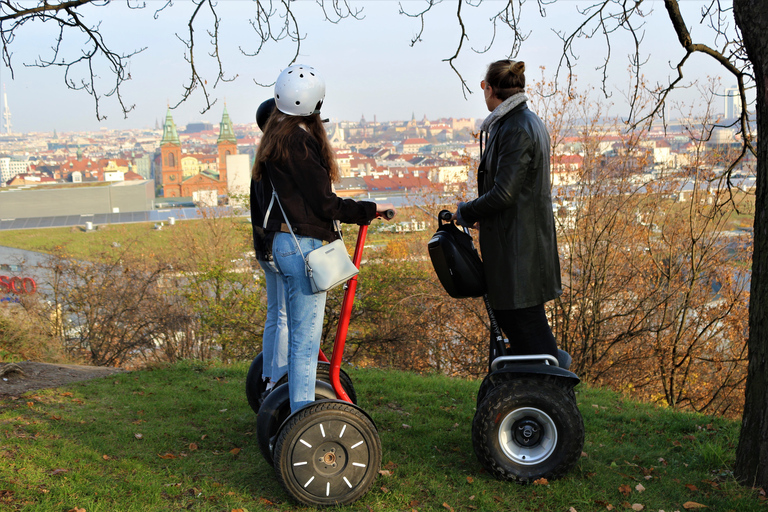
503	109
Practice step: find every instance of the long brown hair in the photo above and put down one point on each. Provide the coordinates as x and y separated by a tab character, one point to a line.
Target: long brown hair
506	77
274	144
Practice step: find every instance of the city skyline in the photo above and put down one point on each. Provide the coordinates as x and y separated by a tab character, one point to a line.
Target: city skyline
369	67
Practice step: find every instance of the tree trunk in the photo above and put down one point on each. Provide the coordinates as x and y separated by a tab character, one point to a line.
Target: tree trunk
752	453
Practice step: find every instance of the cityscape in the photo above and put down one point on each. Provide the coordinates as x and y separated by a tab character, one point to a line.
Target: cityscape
111	173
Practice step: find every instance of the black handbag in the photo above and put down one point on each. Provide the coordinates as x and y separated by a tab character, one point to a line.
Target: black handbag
455	260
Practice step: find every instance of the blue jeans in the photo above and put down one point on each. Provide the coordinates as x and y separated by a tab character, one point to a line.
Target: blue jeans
306	311
275	341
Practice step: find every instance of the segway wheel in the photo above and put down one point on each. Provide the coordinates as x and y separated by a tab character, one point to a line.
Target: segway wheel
329	453
527	429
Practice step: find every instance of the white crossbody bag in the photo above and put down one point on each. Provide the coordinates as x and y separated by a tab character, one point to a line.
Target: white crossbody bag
327	266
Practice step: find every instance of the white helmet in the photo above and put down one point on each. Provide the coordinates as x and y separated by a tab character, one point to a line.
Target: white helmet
299	91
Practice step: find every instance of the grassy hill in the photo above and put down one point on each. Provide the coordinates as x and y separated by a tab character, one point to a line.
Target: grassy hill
182	437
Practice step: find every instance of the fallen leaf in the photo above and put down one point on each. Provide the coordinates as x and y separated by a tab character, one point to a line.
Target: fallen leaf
637	507
234	451
105	457
66	394
571	509
76	509
192	446
691	487
639	488
609	507
167	456
584	454
541	481
138	436
625	490
691	505
470	480
385	472
445	505
58	471
384	490
54	417
406	426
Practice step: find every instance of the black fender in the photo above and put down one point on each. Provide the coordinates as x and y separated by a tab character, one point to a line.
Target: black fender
519	370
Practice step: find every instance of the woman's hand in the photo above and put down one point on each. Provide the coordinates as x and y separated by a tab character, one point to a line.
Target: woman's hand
383	207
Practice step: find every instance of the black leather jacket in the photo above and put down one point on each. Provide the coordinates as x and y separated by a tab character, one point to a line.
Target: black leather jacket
514	208
305	192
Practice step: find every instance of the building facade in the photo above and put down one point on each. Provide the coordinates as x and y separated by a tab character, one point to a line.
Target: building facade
210	180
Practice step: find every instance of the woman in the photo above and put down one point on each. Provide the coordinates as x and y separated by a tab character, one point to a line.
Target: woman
295	158
514	213
275	337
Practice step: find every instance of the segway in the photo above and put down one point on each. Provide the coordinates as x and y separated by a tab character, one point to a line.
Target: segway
527	425
329	452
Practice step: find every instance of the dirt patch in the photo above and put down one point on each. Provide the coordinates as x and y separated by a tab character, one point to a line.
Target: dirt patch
19	378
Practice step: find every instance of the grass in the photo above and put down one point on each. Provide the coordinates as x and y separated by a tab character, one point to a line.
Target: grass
182	437
84	245
143	237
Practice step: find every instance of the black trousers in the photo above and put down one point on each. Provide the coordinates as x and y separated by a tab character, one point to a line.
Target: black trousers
527	329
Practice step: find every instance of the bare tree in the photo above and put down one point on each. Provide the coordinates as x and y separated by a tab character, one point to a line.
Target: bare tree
272	21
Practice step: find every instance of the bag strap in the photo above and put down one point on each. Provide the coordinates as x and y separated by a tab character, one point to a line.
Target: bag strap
307	270
336	223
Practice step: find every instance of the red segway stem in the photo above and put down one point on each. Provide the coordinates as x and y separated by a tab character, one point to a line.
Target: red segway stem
344	318
346	312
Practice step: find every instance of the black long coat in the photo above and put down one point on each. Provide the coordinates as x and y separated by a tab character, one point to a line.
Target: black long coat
514	208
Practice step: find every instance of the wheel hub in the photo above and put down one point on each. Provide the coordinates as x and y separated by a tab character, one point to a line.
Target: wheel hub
527	435
329	458
527	432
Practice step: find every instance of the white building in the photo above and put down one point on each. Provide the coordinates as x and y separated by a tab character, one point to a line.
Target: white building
11	166
732	106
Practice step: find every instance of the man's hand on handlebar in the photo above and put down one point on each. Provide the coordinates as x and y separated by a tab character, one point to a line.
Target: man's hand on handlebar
455	218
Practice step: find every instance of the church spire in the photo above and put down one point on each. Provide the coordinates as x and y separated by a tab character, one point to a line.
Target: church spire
169	130
226	130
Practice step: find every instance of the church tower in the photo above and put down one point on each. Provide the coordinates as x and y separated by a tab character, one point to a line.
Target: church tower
170	151
227	144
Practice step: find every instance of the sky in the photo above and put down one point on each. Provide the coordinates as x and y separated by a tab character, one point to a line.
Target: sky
369	65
